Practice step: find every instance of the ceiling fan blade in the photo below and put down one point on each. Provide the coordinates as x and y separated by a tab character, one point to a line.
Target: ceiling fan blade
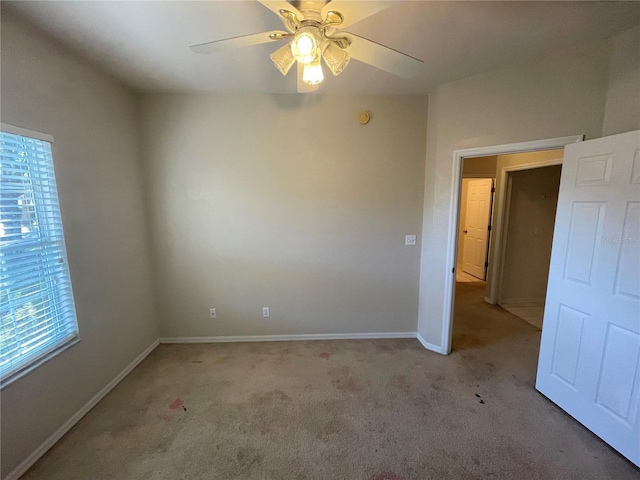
354	11
382	57
276	5
304	87
237	42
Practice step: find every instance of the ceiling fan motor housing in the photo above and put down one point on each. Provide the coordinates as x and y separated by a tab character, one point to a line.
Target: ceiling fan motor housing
310	9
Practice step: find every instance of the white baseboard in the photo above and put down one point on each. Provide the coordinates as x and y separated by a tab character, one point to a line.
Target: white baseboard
57	435
430	346
520	302
289	338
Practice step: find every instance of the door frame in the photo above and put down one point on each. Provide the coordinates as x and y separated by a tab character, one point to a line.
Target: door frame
501	236
454	213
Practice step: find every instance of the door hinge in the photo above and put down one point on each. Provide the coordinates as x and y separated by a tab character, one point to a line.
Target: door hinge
489	228
493	189
486	264
453	270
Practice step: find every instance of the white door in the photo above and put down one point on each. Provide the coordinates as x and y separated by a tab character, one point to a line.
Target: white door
590	352
476	229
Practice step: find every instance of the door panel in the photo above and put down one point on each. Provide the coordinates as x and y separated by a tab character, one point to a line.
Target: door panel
627	273
566	354
590	351
585	229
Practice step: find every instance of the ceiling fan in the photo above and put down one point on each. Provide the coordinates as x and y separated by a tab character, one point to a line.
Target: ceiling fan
314	33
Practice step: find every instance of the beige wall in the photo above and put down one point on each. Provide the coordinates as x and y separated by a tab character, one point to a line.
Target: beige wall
285	201
529	234
529	158
556	96
93	120
480	167
622	110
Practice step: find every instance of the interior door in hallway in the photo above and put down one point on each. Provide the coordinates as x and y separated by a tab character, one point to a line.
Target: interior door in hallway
590	352
476	228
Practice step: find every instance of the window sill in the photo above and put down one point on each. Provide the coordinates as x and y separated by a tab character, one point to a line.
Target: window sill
5	382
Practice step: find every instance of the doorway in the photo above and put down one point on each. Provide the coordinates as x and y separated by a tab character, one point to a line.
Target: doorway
451	258
530	211
476	202
519	267
587	362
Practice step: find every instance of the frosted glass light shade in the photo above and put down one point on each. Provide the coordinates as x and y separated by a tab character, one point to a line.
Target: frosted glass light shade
335	57
312	73
283	59
304	46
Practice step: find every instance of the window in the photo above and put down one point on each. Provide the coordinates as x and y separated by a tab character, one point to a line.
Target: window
37	313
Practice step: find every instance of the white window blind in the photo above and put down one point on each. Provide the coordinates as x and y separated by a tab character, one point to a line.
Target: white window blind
36	301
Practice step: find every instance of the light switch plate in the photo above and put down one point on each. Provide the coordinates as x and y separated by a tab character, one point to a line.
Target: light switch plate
265	312
409	240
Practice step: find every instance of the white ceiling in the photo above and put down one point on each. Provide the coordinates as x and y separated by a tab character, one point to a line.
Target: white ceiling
146	43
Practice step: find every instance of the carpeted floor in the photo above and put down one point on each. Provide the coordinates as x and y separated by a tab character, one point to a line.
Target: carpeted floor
364	409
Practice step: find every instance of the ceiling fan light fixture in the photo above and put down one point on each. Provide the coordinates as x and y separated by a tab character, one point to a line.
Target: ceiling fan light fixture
313	33
291	20
312	73
335	57
304	46
283	59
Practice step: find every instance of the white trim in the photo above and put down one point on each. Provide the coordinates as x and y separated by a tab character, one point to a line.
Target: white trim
430	346
502	238
478	175
502	223
25	132
532	165
58	434
289	338
36	362
520	147
454	212
521	302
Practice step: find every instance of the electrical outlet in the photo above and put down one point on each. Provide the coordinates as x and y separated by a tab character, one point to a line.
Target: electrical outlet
409	240
212	313
265	312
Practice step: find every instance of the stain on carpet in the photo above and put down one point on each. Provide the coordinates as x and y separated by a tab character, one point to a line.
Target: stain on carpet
342	380
267	398
399	382
388	476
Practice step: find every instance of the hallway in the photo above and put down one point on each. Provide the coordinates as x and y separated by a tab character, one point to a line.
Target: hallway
477	324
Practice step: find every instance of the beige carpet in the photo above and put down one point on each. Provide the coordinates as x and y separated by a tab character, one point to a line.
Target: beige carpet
379	410
532	313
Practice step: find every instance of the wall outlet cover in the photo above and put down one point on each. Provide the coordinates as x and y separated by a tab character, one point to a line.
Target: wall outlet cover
409	239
